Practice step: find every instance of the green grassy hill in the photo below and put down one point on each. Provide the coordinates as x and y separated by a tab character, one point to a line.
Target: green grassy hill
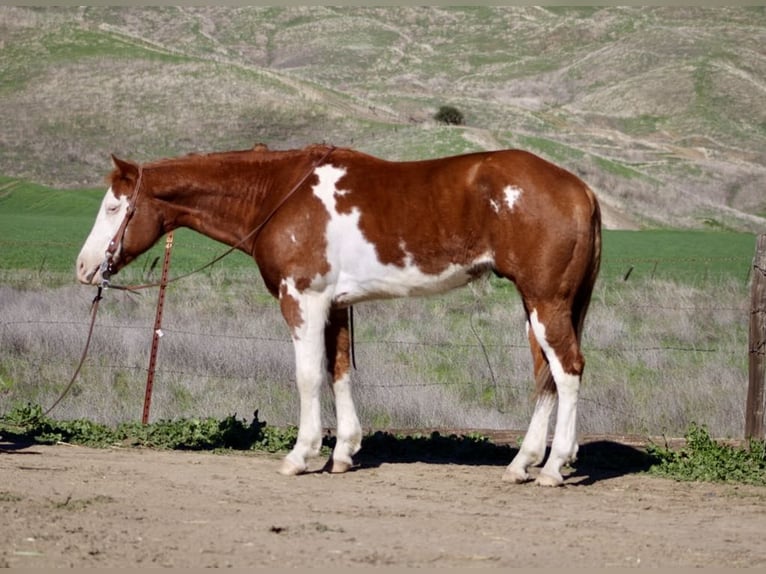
659	109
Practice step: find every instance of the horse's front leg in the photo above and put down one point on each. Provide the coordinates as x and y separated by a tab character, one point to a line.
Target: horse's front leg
306	314
349	431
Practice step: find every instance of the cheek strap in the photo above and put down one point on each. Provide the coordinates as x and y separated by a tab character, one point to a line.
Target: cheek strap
107	266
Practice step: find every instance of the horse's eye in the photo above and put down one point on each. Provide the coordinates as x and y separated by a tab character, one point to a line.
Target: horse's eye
112	209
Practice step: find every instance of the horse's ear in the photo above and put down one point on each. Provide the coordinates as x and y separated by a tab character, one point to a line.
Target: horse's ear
126	169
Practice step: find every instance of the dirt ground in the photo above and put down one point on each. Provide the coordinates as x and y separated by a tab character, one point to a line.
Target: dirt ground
70	506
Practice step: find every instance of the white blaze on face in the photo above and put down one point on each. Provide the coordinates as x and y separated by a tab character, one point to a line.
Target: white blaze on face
93	252
354	263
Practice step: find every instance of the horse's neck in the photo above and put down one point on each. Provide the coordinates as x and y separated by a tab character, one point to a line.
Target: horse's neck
224	204
227	198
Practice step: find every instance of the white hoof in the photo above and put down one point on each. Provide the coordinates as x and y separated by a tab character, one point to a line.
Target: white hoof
514	476
339	466
545	479
289	468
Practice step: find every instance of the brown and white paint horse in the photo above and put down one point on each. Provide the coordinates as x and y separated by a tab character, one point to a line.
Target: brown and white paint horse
329	228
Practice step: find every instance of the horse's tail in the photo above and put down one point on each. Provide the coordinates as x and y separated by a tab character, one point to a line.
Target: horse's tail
584	293
544	383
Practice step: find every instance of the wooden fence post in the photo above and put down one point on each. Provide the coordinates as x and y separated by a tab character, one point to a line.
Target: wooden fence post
757	345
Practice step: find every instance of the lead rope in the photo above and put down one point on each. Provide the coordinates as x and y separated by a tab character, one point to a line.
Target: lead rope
93	312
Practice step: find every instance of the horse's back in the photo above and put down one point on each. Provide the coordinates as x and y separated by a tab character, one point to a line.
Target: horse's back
482	199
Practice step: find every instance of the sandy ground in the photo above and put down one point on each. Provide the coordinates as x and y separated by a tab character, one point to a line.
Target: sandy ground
70	506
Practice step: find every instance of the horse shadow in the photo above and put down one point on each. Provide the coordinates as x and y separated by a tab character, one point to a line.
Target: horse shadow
13	443
597	460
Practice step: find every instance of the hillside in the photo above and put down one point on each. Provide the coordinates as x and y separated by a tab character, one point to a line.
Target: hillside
659	109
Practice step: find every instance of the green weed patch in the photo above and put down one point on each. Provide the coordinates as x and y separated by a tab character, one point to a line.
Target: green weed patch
28	422
706	460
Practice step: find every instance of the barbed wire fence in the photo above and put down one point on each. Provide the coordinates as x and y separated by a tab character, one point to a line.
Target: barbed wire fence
473	350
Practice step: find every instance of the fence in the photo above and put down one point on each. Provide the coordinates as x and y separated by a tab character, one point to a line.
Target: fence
660	353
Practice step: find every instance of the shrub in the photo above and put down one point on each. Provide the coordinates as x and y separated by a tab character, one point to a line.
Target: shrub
703	459
28	422
449	115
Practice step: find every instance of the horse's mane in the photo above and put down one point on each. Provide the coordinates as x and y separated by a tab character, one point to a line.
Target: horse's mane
260	152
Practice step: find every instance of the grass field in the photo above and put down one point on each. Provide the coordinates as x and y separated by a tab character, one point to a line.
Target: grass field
43	229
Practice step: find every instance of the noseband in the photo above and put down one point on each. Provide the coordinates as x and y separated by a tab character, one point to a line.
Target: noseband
107	266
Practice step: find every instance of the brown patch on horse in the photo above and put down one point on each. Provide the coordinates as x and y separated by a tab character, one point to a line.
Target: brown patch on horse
431	223
123	177
338	343
294	239
291	309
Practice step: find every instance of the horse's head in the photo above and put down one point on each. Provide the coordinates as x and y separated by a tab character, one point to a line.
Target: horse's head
126	225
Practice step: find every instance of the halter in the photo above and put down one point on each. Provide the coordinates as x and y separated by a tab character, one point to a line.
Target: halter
107	266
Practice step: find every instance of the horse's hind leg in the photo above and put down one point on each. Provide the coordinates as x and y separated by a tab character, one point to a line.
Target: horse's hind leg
349	431
552	326
532	451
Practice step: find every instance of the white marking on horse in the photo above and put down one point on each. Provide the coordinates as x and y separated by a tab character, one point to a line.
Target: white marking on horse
354	264
564	446
289	288
310	373
349	432
108	220
512	194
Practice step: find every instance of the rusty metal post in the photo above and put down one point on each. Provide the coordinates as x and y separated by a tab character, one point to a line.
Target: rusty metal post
757	345
157	334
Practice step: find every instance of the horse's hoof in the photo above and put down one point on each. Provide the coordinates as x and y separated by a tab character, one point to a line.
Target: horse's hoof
289	468
549	480
336	466
515	476
339	466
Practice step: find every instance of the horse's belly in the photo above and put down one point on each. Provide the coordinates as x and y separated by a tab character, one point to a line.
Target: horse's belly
389	281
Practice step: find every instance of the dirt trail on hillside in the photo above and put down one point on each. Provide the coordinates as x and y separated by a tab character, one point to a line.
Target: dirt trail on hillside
68	506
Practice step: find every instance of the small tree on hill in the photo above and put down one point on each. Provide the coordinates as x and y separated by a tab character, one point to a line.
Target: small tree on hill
449	115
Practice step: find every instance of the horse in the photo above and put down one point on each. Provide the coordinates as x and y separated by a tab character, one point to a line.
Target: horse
331	227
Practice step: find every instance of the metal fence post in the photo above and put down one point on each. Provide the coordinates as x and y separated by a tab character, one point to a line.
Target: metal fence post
157	334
